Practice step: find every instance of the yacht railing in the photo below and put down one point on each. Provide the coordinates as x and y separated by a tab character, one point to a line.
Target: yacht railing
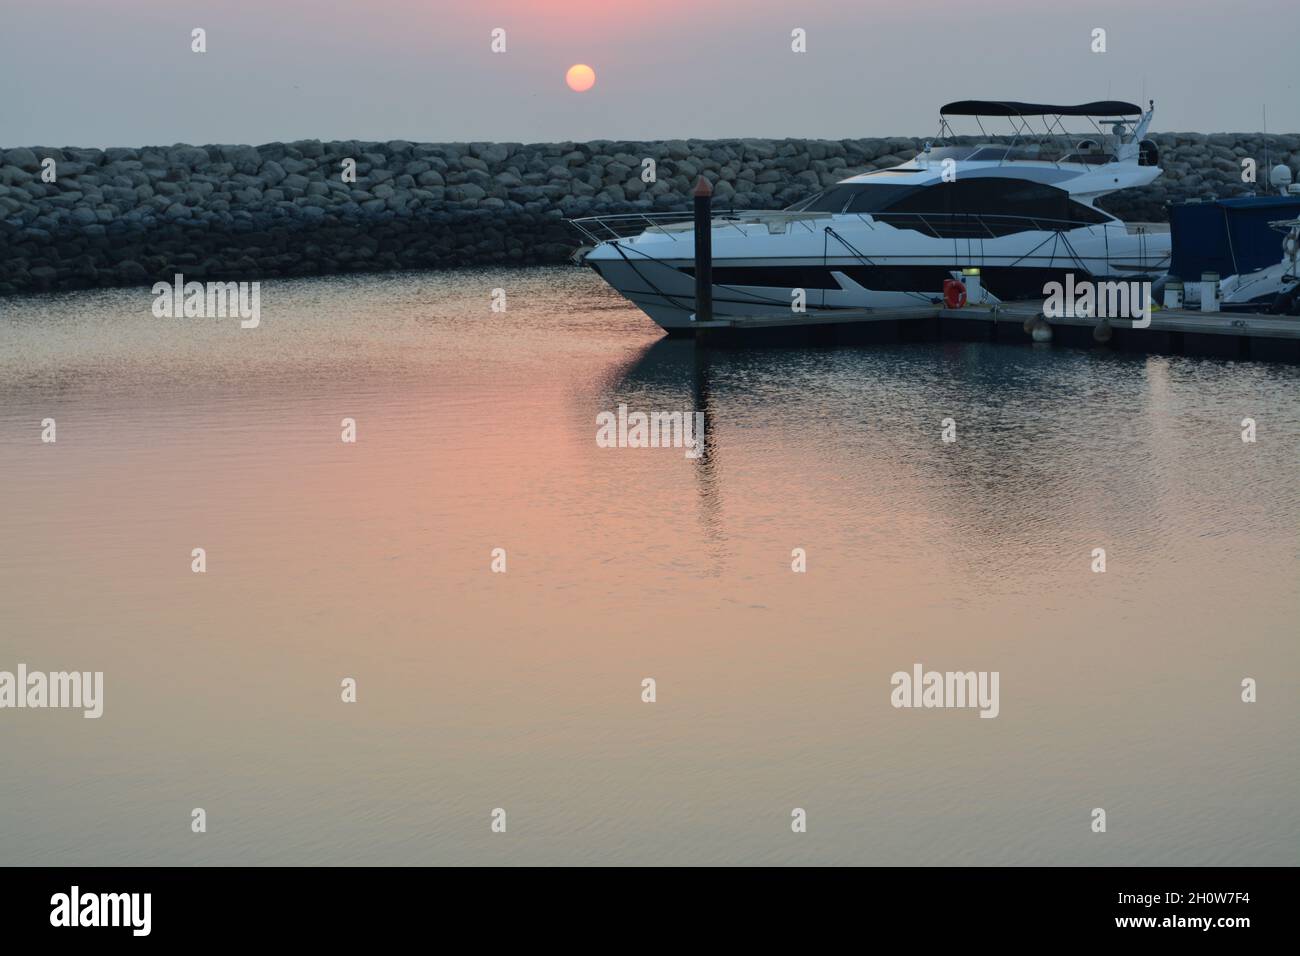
599	229
622	225
939	225
961	225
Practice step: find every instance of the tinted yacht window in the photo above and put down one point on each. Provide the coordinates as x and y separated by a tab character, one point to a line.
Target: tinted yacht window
989	206
872	197
828	200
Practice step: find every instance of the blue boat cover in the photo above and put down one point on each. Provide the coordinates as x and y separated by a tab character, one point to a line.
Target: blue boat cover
1228	236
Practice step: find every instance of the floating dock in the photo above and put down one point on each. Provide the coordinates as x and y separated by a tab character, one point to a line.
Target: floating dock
1232	335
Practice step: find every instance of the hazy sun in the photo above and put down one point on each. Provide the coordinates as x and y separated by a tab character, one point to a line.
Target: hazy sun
580	77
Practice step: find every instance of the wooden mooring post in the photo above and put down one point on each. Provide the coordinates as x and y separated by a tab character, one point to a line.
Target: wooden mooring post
703	251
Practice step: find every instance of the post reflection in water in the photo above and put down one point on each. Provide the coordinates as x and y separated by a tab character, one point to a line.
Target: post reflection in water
706	464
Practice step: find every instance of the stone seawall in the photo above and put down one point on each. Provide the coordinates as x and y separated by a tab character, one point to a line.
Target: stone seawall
81	218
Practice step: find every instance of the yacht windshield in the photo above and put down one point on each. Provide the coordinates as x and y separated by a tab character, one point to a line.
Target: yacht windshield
985	152
949	152
853	197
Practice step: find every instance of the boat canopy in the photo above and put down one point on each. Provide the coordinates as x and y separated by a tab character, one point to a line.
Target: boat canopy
1227	236
1012	108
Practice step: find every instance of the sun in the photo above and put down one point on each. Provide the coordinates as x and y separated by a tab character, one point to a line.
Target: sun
580	77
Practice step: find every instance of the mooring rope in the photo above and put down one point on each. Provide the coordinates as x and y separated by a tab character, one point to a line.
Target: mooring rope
915	295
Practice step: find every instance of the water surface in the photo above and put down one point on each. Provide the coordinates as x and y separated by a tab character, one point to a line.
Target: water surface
476	430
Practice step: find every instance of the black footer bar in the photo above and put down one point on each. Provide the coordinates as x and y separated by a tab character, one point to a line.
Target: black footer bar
367	904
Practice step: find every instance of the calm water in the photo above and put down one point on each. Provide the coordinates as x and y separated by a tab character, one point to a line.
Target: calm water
476	430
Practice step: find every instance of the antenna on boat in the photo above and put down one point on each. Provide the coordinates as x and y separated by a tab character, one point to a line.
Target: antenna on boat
1263	108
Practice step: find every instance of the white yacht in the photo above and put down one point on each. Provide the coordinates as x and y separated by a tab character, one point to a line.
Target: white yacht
1019	214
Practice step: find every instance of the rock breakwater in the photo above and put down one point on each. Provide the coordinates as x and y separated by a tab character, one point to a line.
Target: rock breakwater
83	218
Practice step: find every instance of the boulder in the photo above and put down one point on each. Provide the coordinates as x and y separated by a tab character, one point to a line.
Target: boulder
22	158
272	173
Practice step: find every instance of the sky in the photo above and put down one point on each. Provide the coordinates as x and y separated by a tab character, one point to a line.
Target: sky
122	72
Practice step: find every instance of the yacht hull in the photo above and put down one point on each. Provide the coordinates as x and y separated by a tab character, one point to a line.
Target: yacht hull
664	288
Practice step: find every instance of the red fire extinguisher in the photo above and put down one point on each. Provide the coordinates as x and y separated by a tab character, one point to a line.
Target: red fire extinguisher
954	293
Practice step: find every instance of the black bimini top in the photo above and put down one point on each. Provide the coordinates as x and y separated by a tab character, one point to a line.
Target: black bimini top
1011	108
